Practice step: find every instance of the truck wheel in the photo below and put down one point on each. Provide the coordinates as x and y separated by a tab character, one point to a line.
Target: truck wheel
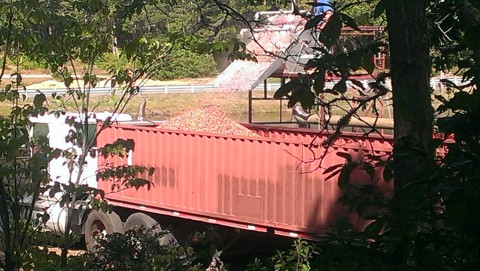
116	222
141	220
100	223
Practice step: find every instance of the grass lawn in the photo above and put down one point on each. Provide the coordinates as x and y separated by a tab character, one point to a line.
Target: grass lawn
161	106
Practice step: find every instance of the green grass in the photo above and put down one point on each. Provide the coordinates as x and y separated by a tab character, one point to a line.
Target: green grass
161	106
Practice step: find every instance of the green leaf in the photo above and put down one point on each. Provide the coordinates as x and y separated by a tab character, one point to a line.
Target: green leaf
307	99
340	86
357	83
18	78
294	99
368	64
449	84
322	50
319	83
285	89
142	41
333	168
330	91
332	31
345	156
380	8
300	93
334	173
370	170
401	252
86	78
312	23
68	81
39	100
222	45
475	3
471	38
462	101
139	183
374	228
344	178
387	173
348	21
342	223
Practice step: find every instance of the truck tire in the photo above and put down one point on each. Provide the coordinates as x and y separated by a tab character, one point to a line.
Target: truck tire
100	223
141	220
116	222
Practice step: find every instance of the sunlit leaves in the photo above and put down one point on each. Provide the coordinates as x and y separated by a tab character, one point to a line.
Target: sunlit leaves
126	176
142	41
120	148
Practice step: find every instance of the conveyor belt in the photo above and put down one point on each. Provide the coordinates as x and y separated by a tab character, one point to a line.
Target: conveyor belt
277	46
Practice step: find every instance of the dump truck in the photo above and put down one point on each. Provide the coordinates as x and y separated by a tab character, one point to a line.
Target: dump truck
274	182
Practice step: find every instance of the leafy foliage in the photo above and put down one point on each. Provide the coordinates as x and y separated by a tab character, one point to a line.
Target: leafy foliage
69	37
433	224
140	249
297	258
21	173
187	64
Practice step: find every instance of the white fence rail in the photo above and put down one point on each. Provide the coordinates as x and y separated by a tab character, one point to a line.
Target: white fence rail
169	89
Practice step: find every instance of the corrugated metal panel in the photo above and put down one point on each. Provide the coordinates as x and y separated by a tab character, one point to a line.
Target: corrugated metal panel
254	181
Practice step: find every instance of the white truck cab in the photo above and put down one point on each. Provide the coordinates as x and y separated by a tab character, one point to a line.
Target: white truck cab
55	129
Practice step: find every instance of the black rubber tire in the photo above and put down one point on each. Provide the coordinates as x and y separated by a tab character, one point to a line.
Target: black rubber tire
116	222
96	223
146	222
141	220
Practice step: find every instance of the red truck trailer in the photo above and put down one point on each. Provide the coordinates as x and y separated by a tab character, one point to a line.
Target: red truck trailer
275	182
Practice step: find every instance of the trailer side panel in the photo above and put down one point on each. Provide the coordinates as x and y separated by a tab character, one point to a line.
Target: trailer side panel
273	182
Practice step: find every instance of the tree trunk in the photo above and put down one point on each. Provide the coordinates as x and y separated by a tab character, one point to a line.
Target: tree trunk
470	17
410	69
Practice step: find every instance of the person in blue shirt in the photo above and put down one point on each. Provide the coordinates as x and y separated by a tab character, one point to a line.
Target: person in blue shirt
324	8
